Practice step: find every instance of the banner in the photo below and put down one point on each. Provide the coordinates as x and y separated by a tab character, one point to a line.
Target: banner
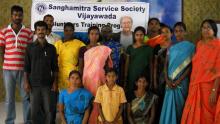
84	15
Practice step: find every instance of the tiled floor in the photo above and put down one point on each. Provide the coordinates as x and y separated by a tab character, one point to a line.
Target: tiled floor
19	115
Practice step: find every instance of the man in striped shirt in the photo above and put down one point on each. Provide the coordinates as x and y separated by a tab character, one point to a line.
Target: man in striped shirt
13	42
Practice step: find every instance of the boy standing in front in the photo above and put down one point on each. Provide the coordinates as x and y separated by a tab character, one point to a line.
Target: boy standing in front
110	99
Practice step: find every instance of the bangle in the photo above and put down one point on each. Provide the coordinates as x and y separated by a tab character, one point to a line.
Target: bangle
213	89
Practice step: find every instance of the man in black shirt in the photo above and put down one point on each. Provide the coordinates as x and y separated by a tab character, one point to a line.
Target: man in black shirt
40	72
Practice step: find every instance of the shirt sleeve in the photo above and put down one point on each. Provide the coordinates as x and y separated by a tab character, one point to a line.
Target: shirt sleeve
57	47
31	36
27	60
89	100
2	39
61	98
122	96
98	97
54	60
82	44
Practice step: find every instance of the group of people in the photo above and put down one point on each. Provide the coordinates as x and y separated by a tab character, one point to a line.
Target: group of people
130	77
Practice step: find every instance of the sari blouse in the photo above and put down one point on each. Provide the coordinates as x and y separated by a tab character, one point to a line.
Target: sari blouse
206	62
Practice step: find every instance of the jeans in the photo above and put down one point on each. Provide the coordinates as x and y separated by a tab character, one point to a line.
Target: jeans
53	109
40	97
12	78
54	99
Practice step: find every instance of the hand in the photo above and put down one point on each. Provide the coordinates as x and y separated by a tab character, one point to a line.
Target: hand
169	84
27	87
213	98
54	87
177	82
174	85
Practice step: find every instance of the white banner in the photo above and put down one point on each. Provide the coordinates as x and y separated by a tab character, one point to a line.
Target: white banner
84	15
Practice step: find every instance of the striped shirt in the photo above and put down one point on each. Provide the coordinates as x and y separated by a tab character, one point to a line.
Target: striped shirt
15	45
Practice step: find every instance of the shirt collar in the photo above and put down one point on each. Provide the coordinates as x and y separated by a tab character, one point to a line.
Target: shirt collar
51	34
113	89
9	26
36	42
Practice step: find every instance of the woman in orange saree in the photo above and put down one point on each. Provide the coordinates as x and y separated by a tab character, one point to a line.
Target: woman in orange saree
203	102
92	60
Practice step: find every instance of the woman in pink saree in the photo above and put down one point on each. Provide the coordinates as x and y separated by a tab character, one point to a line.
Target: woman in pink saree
93	59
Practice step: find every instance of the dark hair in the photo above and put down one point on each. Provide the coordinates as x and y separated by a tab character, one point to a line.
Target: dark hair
153	19
110	70
162	24
140	28
106	26
147	80
166	26
213	25
181	24
16	8
93	28
75	72
69	24
40	24
48	15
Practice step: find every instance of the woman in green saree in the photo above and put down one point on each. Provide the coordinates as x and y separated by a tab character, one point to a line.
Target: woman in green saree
138	59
